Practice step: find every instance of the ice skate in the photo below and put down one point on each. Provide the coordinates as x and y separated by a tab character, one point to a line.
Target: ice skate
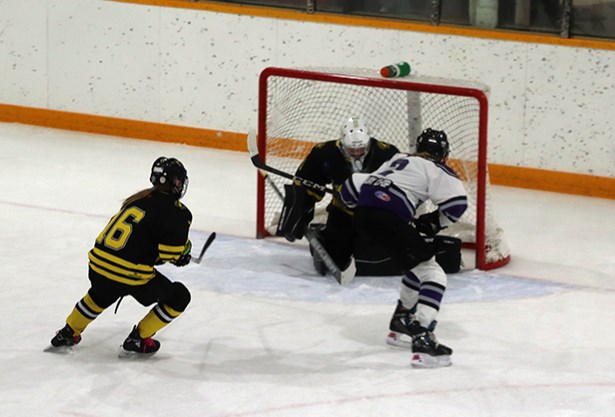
400	335
428	353
135	346
406	332
64	341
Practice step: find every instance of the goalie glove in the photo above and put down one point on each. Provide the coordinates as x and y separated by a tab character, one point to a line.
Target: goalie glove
184	258
297	213
428	223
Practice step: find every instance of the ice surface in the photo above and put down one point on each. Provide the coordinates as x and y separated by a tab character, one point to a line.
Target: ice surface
266	336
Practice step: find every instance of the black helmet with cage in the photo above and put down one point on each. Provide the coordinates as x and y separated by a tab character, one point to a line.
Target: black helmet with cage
169	175
433	143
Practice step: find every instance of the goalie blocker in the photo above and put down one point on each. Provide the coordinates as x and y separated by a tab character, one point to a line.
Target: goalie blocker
372	261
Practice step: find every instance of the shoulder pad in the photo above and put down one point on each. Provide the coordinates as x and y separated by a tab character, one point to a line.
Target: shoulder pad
381	144
385	146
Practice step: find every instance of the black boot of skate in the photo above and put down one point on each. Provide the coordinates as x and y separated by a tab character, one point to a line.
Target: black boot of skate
134	344
428	353
64	340
407	332
399	333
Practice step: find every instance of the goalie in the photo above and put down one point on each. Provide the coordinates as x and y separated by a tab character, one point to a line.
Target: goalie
332	162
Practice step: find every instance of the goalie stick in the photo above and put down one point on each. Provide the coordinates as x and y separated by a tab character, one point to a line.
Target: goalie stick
207	244
342	277
260	164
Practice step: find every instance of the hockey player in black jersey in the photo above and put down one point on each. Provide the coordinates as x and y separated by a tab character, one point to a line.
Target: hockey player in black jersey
150	229
332	162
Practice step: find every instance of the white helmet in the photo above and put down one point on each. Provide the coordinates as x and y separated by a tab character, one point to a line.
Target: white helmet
355	138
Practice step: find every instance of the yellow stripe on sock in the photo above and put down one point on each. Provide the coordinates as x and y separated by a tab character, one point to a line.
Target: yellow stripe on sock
151	323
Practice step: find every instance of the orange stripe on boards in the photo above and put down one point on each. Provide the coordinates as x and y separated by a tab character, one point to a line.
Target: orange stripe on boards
555	181
383	23
289	148
520	177
135	129
507	175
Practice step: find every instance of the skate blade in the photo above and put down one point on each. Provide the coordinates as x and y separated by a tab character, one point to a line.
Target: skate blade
129	354
395	339
423	360
61	350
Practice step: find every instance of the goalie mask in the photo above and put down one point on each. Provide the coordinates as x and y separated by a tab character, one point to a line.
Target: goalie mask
169	176
434	143
355	139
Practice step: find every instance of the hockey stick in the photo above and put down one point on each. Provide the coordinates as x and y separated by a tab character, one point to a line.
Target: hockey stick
197	260
207	244
323	254
258	163
272	184
342	277
311	237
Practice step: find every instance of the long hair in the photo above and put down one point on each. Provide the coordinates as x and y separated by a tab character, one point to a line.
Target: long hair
139	195
427	155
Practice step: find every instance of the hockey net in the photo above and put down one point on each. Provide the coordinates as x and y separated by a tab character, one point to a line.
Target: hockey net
301	107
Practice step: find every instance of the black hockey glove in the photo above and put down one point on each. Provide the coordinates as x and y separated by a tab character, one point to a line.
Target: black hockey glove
297	213
428	223
418	248
184	258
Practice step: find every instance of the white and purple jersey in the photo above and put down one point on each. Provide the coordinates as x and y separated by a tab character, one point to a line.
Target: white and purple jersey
403	183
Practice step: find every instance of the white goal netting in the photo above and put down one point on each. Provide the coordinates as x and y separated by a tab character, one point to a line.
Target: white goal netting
301	107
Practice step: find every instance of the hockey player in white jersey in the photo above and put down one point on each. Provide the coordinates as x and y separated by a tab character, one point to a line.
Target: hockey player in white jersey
385	204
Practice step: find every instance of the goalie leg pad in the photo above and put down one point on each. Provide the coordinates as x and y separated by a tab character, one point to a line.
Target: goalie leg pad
338	236
448	253
297	212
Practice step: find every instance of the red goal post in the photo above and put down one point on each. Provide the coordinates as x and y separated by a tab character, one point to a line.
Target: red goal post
298	108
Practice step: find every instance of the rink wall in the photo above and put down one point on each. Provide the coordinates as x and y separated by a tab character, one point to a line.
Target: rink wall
188	72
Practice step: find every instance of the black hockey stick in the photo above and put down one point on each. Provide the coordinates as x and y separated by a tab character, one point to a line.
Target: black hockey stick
197	260
324	255
272	184
207	244
258	163
342	277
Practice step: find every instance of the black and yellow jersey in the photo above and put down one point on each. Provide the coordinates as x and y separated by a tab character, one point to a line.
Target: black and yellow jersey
327	164
147	232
